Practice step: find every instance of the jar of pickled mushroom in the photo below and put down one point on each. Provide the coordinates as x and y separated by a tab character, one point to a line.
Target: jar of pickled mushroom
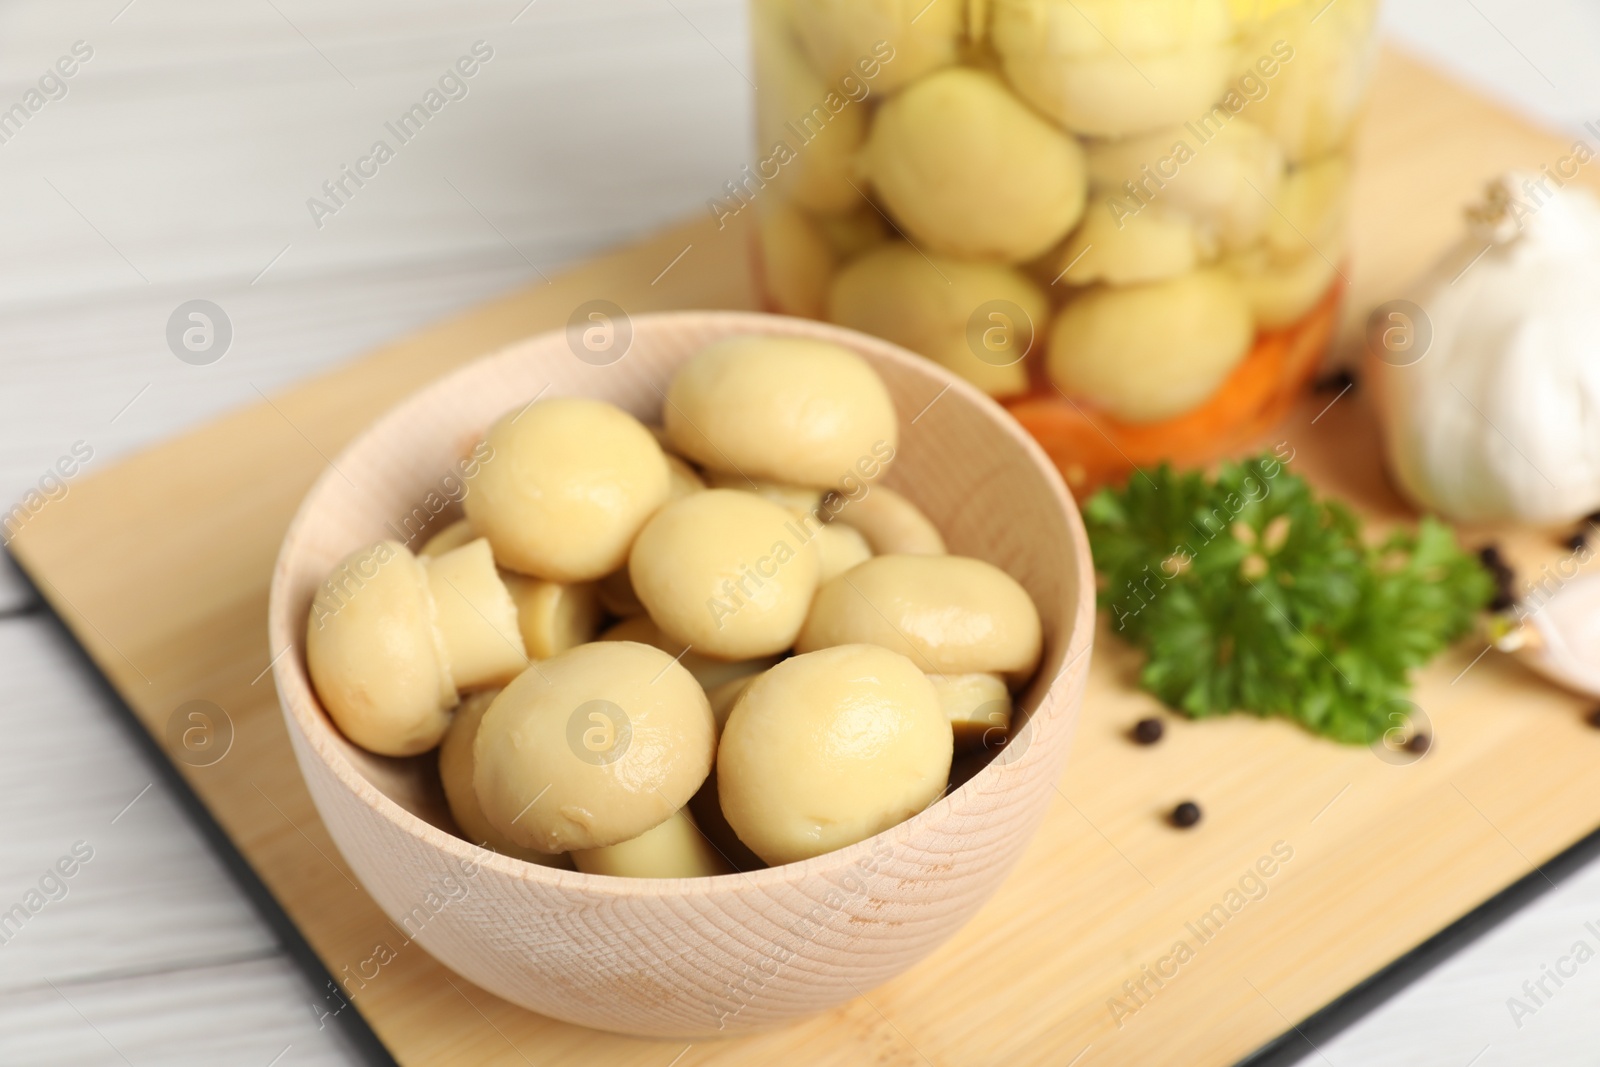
1125	219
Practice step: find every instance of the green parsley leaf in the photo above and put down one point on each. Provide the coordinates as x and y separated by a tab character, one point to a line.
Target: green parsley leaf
1247	593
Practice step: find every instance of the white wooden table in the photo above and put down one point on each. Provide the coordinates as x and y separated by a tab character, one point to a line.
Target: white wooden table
176	163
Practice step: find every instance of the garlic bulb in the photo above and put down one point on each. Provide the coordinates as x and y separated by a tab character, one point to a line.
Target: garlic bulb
1488	384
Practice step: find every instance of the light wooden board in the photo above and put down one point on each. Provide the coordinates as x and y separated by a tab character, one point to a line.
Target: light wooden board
160	564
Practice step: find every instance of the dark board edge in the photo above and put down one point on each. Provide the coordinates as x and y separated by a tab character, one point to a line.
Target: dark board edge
1305	1037
354	1030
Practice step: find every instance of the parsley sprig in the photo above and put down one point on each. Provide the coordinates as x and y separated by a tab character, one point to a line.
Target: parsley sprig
1248	593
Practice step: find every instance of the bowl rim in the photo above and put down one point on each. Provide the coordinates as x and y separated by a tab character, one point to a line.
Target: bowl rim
298	699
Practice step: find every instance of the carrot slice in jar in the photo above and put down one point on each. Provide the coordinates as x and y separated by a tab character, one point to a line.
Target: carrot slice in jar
1092	449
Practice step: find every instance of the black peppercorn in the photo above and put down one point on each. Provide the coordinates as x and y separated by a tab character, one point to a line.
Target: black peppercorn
1419	743
1505	579
1577	542
1594	718
1186	814
1337	382
1148	731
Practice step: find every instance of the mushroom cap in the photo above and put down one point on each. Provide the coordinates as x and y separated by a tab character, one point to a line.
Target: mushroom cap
593	746
818	175
455	774
979	320
891	524
842	37
978	707
948	614
839	547
454	535
1150	352
829	748
566	487
970	171
375	654
784	409
729	573
1114	68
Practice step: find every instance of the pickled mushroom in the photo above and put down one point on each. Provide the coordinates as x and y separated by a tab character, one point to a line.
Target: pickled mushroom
1149	352
929	305
968	170
1110	68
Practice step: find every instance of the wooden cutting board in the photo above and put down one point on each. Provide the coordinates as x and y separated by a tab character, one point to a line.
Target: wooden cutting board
1118	940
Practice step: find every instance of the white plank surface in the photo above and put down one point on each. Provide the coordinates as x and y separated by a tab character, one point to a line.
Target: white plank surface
146	952
255	1013
1474	1008
145	896
178	165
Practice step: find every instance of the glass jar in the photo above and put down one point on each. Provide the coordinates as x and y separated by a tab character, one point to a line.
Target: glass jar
1125	219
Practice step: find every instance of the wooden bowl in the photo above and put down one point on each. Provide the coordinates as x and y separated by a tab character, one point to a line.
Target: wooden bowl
690	957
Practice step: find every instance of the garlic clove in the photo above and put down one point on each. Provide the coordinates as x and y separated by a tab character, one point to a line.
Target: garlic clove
1560	638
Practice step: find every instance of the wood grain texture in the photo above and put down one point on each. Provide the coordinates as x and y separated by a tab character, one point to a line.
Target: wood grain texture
1384	855
705	956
